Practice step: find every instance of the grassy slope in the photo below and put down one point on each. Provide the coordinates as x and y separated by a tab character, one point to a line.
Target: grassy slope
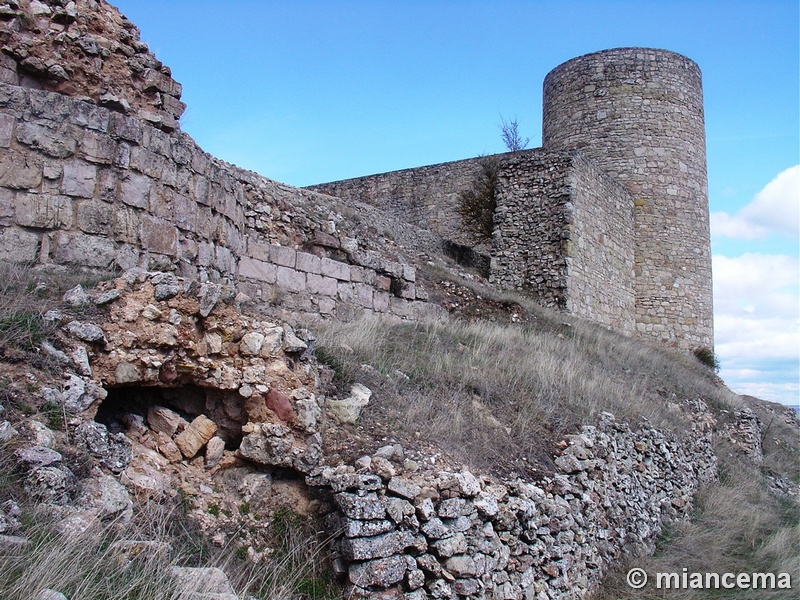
493	395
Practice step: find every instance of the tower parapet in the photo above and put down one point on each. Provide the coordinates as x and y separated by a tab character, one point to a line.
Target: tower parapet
638	114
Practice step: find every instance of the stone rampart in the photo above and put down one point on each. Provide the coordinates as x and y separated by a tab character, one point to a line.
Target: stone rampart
564	231
428	195
85	186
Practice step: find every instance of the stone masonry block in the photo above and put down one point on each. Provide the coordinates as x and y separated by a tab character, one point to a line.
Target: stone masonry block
326	305
409	273
95	217
20	171
319	284
6	130
363	295
125	225
98	148
81	249
252	268
159	236
43	210
380	301
125	128
79	179
291	280
334	268
408	291
146	162
362	275
17	245
58	144
346	292
283	256
136	190
309	263
383	283
258	250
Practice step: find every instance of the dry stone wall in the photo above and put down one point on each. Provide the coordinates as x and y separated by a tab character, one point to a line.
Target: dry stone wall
86	186
419	533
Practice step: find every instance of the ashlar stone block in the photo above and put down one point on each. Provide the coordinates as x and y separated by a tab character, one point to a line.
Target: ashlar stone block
336	269
159	236
44	211
79	179
136	190
17	245
291	280
252	268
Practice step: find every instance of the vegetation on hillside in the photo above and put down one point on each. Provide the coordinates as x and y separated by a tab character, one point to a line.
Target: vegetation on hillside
496	396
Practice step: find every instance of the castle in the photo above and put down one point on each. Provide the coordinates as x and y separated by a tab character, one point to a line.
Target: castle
608	221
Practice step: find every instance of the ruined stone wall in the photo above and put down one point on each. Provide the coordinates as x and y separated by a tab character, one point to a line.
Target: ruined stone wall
444	534
638	114
85	186
426	195
86	49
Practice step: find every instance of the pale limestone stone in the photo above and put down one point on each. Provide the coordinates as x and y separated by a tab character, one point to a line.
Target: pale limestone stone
195	436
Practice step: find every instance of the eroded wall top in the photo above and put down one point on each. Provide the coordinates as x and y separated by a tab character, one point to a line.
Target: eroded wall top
86	49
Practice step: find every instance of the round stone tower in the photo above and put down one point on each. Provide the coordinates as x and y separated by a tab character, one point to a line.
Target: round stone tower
638	114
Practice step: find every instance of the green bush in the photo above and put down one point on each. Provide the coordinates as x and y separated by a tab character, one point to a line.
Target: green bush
706	356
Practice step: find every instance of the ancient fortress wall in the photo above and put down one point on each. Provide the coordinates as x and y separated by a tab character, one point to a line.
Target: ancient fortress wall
85	186
636	117
426	195
564	230
638	114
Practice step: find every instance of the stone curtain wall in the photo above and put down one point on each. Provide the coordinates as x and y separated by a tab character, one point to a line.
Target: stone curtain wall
86	48
638	114
426	195
82	185
600	248
531	226
564	231
443	534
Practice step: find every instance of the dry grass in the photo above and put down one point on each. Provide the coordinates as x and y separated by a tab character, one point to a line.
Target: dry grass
496	395
86	566
739	527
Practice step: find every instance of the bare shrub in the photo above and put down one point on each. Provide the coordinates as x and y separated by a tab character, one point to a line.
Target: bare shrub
509	131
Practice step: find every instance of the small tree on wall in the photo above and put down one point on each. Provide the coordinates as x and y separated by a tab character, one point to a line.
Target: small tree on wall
477	204
509	131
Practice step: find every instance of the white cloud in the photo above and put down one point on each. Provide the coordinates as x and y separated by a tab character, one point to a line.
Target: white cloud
776	208
757	324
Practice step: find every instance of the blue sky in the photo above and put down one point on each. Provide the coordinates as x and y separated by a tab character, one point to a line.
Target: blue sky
312	91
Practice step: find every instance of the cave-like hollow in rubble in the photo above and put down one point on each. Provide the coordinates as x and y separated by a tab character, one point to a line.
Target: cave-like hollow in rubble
126	405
